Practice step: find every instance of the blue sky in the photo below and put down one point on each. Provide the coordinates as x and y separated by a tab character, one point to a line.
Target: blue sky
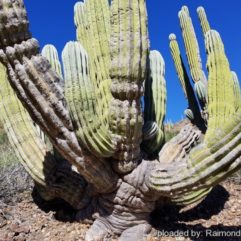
51	21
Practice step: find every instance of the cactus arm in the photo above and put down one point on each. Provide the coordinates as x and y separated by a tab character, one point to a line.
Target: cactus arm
191	44
221	94
199	170
219	155
22	134
179	65
81	98
203	20
129	52
193	55
155	105
192	197
185	82
237	91
33	153
92	19
51	54
173	152
80	20
34	82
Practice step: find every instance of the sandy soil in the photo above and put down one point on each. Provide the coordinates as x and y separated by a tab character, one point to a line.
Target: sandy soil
25	216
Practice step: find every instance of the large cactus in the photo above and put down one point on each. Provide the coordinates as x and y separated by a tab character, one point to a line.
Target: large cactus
112	158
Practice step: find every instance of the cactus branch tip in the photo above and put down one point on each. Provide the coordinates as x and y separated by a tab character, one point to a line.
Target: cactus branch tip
172	37
200	9
185	9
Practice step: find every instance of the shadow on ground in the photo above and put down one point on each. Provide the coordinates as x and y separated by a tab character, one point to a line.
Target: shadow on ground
170	221
63	211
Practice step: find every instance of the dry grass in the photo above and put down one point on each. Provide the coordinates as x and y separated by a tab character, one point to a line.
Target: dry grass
13	178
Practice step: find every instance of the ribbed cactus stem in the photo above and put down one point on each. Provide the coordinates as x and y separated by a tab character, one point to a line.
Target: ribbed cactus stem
14	28
203	20
185	82
92	19
32	152
191	174
129	49
81	21
150	131
221	96
219	155
178	62
194	197
155	105
203	168
191	45
51	54
34	81
22	134
237	91
82	99
189	114
201	91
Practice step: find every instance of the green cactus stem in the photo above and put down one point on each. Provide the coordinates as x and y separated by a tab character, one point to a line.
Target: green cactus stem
51	54
219	155
221	95
22	133
237	91
201	169
82	101
192	50
201	91
185	82
189	114
155	105
194	197
178	62
203	20
92	20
